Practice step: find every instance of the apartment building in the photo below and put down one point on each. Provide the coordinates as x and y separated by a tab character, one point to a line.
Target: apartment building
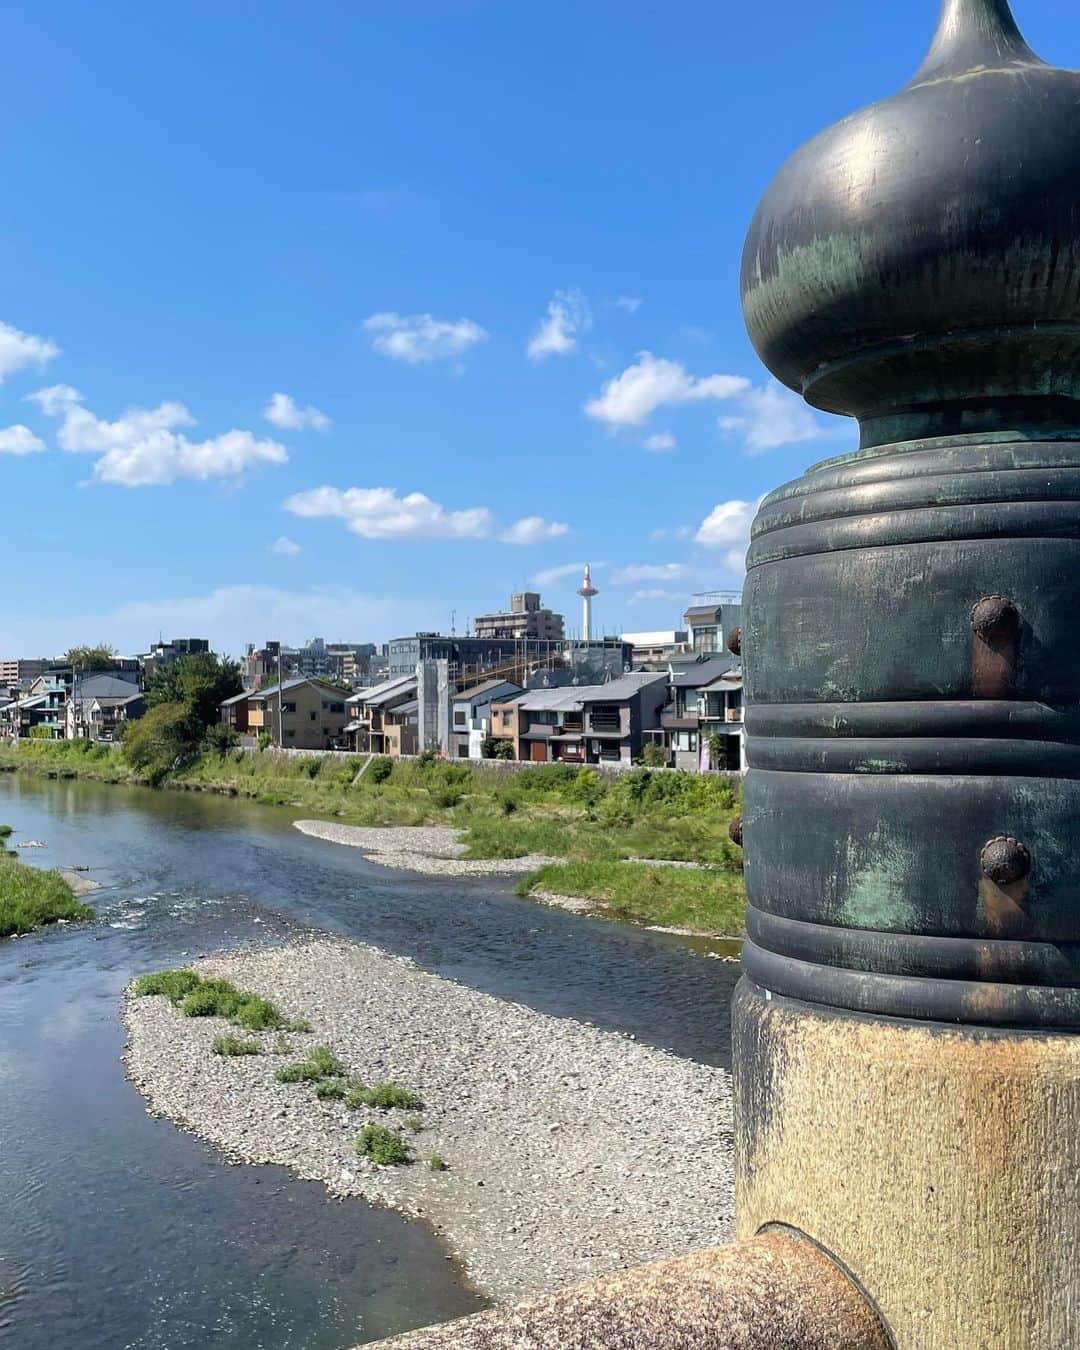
711	619
526	618
299	714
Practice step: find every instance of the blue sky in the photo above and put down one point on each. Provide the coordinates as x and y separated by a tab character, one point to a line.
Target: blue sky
484	253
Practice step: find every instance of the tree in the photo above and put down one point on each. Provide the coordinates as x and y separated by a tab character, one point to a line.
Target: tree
716	749
99	657
200	682
496	747
653	755
165	735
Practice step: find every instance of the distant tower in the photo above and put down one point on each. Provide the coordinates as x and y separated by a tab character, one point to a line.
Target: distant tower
587	590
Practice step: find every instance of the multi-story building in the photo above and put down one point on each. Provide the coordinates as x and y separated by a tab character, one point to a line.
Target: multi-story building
701	728
117	698
316	659
298	714
582	724
470	715
164	653
526	618
658	648
19	673
711	619
384	720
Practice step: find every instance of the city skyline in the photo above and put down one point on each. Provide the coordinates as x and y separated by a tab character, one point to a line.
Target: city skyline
331	349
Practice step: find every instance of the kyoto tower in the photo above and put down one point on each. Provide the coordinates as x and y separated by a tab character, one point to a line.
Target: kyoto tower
586	590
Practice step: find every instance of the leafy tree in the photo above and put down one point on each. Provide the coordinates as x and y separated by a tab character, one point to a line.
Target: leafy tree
165	734
653	755
221	738
99	657
496	747
200	682
716	749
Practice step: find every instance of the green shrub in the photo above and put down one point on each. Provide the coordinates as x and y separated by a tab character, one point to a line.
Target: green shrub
330	1089
436	1163
233	1045
211	998
414	1123
382	1146
174	984
220	738
380	769
385	1096
321	1063
264	740
257	1014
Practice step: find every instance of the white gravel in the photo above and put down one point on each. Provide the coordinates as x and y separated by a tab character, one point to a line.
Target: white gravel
434	850
572	1151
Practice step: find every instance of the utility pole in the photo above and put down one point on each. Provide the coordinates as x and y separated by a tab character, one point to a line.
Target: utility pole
280	704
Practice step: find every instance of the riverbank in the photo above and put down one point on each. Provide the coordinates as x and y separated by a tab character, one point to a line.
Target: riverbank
31	898
569	1151
539	816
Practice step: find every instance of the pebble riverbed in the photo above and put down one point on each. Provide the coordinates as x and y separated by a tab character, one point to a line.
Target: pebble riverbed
572	1152
434	850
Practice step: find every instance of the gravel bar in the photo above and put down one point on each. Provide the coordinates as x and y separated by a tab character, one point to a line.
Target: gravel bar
434	850
571	1152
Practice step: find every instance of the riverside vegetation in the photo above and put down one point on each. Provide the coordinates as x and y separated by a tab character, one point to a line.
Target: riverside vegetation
605	828
30	898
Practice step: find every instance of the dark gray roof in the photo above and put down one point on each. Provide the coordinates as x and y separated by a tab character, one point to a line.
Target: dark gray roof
625	687
104	686
485	687
286	685
704	672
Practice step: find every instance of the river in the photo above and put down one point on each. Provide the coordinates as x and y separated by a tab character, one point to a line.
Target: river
118	1232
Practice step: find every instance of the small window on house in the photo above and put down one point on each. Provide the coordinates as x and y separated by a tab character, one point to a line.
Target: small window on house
313	716
461	718
288	707
336	707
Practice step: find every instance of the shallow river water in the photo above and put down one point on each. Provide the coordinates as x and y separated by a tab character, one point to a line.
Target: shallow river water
117	1231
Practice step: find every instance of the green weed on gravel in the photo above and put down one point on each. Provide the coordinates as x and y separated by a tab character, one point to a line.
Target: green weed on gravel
386	1096
383	1146
226	1044
321	1063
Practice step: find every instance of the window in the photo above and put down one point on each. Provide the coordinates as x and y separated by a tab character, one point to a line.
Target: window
314	716
605	717
335	707
461	717
288	707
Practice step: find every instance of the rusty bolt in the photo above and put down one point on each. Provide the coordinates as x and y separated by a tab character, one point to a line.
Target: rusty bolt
734	830
994	618
1005	860
734	642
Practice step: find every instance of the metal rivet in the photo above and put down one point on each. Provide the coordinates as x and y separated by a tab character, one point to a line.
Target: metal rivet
734	642
1005	860
734	830
994	617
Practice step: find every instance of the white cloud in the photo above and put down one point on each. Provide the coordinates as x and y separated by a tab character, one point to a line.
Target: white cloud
672	532
143	447
19	350
379	513
567	317
628	302
661	443
285	547
652	382
230	616
19	440
727	526
416	338
548	576
770	417
534	530
625	576
652	593
283	411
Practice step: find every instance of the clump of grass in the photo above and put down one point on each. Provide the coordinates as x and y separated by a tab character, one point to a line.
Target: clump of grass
383	1146
282	1046
330	1089
436	1163
298	1024
227	1044
321	1063
175	985
31	898
210	998
414	1123
257	1014
386	1096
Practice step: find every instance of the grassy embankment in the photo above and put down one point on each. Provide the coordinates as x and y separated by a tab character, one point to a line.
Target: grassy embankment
30	898
598	825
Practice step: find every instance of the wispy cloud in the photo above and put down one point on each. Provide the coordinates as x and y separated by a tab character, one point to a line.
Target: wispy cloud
727	527
652	382
566	318
283	411
380	513
660	444
417	338
19	440
19	350
285	547
626	576
630	303
144	448
548	576
771	416
534	530
672	532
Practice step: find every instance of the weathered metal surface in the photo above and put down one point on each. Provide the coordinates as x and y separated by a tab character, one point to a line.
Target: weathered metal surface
913	654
